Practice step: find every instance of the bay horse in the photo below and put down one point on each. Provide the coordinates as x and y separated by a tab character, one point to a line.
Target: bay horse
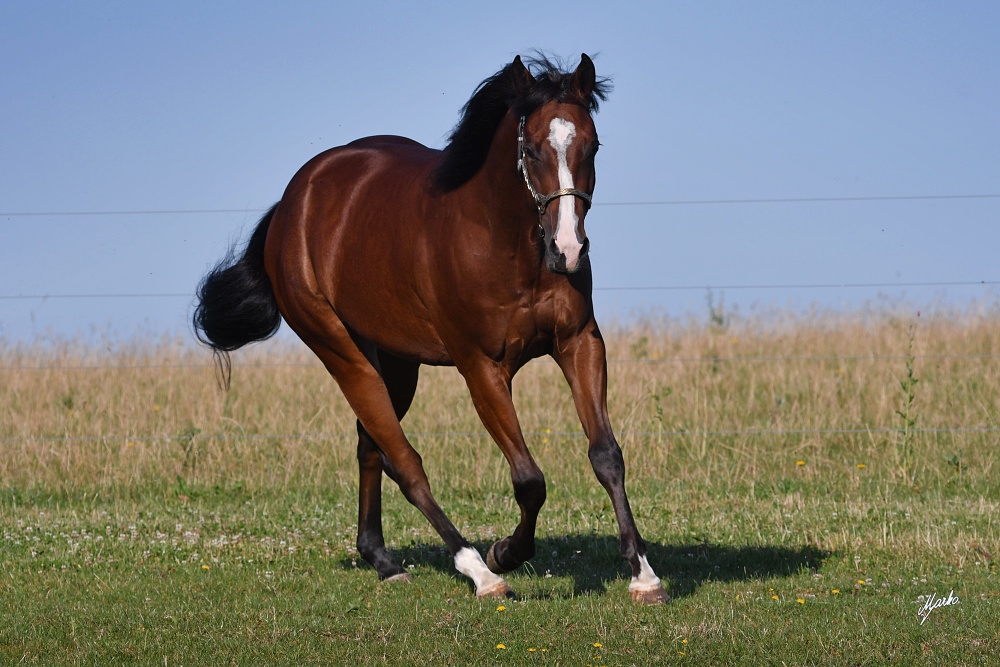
384	254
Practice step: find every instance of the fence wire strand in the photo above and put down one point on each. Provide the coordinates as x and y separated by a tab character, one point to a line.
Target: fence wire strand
647	360
609	288
695	433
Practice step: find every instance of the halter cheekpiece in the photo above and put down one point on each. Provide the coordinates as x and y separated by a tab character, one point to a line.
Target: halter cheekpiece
542	201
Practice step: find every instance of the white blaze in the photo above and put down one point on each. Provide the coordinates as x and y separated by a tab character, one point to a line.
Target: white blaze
561	133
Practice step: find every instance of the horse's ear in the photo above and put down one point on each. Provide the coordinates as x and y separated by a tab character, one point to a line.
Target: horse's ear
585	77
522	76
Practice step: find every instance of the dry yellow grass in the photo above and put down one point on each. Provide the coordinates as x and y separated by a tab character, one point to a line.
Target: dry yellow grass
744	441
746	399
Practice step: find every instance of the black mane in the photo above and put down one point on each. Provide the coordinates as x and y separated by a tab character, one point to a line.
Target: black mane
469	142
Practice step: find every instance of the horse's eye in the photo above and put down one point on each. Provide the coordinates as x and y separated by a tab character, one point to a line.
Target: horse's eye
530	152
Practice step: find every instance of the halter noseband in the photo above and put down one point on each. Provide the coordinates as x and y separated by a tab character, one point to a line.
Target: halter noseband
542	201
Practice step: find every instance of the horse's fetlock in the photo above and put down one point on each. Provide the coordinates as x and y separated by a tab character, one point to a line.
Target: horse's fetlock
368	545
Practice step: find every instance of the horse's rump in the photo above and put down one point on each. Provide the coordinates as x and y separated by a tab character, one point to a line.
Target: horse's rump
352	228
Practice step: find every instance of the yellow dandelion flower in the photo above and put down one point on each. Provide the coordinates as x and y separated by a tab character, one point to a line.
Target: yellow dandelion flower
502	647
156	408
206	567
800	600
684	641
800	463
861	466
597	644
531	650
836	591
544	650
680	652
501	608
861	582
774	597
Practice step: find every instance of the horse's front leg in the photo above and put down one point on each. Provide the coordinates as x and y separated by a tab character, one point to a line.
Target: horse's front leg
583	361
490	388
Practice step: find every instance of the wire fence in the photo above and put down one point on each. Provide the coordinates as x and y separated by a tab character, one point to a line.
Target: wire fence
698	433
660	202
619	288
647	360
695	433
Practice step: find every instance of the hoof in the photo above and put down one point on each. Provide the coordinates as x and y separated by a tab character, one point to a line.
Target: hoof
650	597
396	578
496	567
498	591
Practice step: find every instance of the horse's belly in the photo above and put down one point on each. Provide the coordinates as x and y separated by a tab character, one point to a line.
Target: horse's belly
391	323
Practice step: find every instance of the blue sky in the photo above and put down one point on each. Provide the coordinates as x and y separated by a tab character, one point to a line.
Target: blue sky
186	106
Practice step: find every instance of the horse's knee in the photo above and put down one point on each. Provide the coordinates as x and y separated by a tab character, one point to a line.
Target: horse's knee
529	489
606	458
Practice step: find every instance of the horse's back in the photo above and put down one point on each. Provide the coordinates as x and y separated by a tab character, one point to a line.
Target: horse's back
386	141
357	181
346	167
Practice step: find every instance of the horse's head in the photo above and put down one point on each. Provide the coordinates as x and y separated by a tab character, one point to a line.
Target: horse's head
557	144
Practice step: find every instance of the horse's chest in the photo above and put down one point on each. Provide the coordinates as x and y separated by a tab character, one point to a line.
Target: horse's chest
530	331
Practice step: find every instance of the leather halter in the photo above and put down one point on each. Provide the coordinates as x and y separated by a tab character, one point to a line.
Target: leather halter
542	201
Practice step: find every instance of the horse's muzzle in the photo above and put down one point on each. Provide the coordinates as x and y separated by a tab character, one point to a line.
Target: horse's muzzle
557	262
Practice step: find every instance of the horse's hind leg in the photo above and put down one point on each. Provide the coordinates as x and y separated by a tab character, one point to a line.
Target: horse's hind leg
369	398
400	378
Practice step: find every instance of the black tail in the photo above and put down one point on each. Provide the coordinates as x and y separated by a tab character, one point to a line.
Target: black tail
236	304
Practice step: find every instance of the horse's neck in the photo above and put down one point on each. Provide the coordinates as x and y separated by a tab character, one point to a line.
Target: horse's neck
507	195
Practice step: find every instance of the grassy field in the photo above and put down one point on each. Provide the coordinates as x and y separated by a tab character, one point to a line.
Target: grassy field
804	483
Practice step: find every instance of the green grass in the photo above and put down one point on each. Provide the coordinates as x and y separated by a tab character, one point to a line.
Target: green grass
225	577
793	519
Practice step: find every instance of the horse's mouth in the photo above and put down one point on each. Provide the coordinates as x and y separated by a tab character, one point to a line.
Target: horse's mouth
557	264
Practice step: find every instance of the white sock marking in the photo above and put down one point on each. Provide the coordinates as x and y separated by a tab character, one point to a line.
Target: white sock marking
647	579
470	563
561	133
